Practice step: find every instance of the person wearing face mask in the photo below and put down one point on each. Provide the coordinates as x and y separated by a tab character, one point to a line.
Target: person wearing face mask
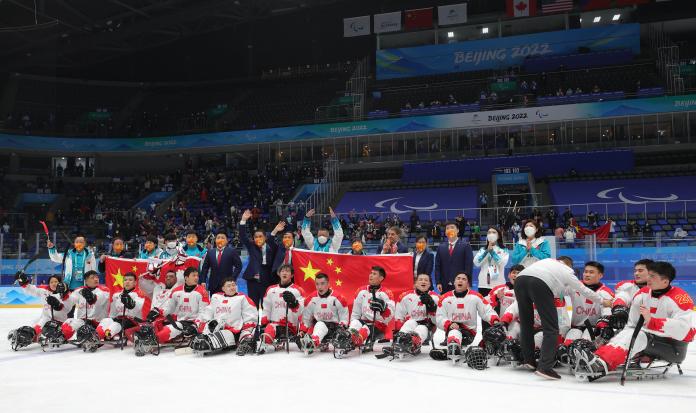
392	244
118	250
357	247
171	247
453	257
78	260
531	247
423	261
321	243
492	260
150	249
57	305
262	250
287	244
192	247
219	263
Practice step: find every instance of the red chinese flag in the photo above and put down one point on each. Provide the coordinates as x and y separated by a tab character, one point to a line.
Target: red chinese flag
419	19
116	268
347	273
180	268
601	232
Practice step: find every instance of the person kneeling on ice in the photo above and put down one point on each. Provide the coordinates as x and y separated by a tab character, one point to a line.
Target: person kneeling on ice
91	307
665	318
56	307
373	309
415	318
282	305
183	309
324	313
129	307
456	315
502	296
230	320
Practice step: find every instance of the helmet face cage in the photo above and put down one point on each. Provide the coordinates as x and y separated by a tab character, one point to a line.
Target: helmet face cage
476	358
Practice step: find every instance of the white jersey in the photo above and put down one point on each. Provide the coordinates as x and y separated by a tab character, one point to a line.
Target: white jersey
625	291
363	312
410	307
160	297
274	306
234	313
462	308
558	277
330	308
586	309
505	301
673	314
95	311
187	305
137	313
42	291
512	314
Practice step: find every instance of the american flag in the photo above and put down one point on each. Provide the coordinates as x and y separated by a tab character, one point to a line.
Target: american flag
556	6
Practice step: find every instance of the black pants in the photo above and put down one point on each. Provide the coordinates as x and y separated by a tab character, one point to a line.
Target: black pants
256	291
484	292
530	291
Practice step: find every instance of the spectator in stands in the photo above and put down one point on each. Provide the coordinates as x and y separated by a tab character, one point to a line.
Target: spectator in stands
421	105
647	230
578	90
220	262
559	92
551	217
569	236
612	228
679	233
451	100
436	231
483	97
6	228
483	201
534	86
559	233
569	92
423	261
567	215
475	232
596	89
524	86
515	231
632	229
592	219
493	97
453	257
392	243
531	247
414	221
408	106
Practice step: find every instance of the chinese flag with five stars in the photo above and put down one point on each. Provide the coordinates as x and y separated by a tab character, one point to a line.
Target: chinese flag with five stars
348	272
116	268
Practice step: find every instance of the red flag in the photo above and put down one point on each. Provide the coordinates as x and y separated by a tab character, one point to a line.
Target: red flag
349	272
116	268
178	266
419	19
521	8
601	232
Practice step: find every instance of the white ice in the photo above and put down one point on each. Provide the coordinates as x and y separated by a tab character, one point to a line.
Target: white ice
112	380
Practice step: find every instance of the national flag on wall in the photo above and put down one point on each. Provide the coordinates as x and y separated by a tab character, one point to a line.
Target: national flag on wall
418	19
521	8
116	268
556	6
347	273
595	4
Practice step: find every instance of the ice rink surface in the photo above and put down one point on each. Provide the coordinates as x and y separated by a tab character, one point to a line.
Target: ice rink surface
111	380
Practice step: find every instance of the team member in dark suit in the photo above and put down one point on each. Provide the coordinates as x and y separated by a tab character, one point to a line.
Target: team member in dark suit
393	244
222	262
117	250
423	260
259	271
283	249
453	257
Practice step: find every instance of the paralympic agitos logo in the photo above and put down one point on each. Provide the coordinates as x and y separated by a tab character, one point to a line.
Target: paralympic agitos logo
397	210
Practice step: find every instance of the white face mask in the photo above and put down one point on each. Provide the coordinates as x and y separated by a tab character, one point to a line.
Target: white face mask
529	232
492	237
322	239
171	245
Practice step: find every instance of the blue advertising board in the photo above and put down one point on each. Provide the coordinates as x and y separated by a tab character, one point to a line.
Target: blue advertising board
502	52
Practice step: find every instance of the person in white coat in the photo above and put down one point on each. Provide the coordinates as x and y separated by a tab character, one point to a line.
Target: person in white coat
78	261
492	260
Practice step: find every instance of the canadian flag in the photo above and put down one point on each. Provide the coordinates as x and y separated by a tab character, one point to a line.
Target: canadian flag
521	8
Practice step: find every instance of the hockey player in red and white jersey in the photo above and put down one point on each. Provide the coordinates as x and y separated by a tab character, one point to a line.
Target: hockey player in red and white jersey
228	321
91	304
511	320
323	313
457	315
281	300
626	290
668	316
129	307
414	317
183	309
586	311
372	303
502	296
57	304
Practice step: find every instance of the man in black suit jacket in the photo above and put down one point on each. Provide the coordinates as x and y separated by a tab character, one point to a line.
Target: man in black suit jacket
392	244
222	262
287	243
453	257
117	250
259	271
423	261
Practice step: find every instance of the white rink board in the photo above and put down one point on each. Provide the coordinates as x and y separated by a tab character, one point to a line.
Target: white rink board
116	381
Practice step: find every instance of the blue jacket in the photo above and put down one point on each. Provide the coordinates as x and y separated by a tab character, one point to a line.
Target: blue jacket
448	266
230	267
255	263
426	263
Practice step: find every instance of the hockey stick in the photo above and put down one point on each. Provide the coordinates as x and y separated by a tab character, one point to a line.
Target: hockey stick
287	329
637	329
123	321
590	329
371	339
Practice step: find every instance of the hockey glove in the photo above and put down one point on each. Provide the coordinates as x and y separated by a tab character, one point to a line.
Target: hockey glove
603	328
212	324
428	302
127	301
21	276
152	315
55	303
89	296
378	305
619	317
61	289
290	299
